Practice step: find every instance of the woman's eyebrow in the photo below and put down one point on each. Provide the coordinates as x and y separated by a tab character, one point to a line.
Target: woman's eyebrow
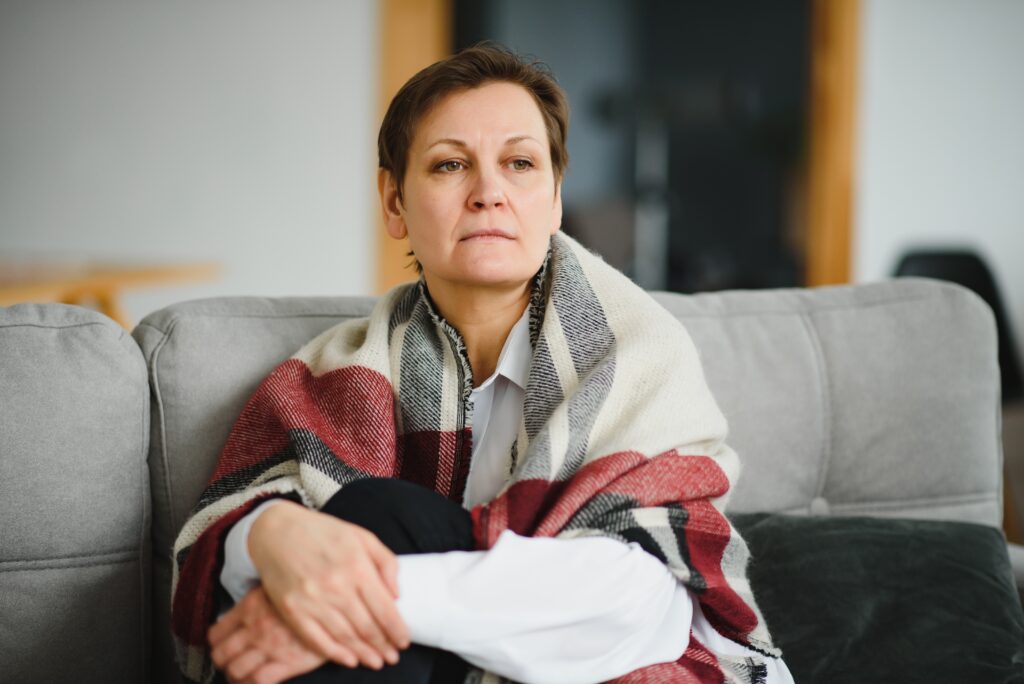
520	138
447	141
455	142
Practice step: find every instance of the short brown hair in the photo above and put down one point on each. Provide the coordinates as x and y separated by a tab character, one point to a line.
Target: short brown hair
471	68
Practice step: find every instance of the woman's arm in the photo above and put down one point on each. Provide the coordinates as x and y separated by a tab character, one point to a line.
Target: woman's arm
239	576
535	610
332	582
547	610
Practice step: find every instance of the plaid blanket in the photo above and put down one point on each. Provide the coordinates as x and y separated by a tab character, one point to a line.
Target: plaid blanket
620	437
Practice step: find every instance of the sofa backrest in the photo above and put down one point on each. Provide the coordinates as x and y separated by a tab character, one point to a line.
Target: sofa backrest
876	399
74	498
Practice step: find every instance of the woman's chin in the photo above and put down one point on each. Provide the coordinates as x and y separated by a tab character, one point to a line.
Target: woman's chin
488	272
492	280
491	276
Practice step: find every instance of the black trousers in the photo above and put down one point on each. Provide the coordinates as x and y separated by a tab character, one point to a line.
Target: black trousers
407	518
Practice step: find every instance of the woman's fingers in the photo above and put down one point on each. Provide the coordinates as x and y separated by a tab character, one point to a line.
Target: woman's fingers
385	560
230	648
368	631
275	672
262	629
382	606
311	632
344	646
224	627
343	618
244	665
384	613
353	629
368	655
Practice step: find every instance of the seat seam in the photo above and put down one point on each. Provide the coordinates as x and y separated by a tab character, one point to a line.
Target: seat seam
155	384
804	309
825	401
102	324
146	528
125	553
917	502
187	316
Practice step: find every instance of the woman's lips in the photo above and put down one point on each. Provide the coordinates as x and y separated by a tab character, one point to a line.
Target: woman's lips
488	234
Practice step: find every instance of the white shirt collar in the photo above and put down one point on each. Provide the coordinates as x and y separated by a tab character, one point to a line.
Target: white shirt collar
514	360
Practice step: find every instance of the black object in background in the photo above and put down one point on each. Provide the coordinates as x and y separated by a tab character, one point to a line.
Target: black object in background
964	267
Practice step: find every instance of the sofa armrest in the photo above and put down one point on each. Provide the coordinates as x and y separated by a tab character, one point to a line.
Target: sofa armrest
74	498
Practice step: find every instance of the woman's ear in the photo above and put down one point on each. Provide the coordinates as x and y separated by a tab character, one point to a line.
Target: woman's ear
556	210
391	204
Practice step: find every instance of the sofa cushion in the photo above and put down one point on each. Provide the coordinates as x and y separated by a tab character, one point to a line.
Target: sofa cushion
878	399
74	498
886	600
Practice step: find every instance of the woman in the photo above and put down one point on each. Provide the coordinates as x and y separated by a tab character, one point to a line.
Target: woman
522	378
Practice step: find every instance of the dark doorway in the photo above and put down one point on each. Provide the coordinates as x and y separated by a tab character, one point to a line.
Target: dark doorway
687	144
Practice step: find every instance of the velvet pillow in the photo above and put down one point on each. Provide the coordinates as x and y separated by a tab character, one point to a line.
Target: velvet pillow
885	600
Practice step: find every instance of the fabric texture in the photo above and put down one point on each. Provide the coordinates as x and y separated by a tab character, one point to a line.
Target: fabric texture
620	437
860	599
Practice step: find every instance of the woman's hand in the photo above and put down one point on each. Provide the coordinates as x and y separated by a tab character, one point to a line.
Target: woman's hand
251	644
333	583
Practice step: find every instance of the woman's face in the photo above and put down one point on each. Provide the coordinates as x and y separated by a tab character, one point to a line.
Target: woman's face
480	199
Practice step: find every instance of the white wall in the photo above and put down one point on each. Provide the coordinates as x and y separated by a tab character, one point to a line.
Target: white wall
241	131
941	136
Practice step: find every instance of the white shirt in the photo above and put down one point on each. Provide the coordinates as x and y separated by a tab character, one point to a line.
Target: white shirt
531	609
497	409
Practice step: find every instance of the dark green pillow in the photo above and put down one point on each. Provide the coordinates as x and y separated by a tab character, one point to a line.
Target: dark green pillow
884	600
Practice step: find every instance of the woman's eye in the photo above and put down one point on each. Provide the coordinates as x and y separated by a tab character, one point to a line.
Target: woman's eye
449	166
521	164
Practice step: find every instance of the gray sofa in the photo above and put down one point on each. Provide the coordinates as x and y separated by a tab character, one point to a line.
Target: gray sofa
877	400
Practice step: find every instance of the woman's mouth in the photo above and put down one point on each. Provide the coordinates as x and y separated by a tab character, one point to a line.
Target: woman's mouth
488	235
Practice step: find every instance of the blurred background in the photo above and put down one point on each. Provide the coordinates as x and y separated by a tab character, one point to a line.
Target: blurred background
713	145
237	137
152	152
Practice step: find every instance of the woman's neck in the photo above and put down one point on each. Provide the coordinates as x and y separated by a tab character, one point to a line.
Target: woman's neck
484	317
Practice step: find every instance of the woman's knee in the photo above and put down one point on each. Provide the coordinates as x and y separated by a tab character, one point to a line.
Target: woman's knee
406	517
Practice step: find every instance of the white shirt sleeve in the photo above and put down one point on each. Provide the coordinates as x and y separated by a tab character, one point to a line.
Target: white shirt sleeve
547	610
531	609
239	576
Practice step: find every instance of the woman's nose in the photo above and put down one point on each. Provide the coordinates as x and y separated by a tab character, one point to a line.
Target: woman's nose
487	190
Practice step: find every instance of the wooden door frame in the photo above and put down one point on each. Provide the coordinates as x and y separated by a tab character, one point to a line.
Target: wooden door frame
832	159
413	34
